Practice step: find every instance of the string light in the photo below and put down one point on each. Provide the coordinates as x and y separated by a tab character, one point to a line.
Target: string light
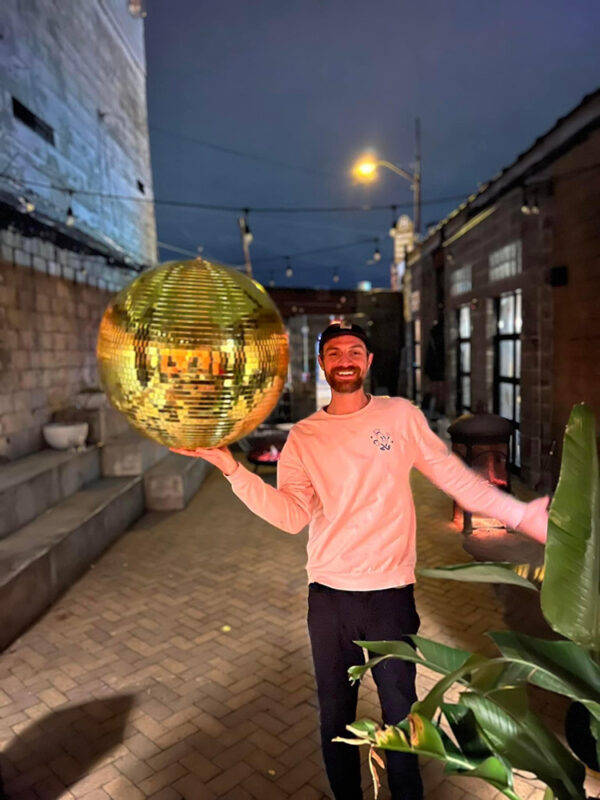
336	275
246	232
282	209
392	231
288	268
377	252
528	207
26	205
70	218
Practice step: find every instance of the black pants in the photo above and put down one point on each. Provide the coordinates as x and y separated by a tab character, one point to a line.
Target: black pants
335	619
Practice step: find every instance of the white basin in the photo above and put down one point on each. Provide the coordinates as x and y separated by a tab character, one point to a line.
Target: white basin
62	435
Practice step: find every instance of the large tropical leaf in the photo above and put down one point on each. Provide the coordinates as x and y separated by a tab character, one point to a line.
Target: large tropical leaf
464	727
437	657
428	706
571	589
420	736
514	732
561	667
483	572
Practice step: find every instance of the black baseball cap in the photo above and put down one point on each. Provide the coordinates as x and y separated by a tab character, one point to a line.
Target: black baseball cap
343	328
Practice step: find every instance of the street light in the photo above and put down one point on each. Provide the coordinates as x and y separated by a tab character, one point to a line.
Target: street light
365	171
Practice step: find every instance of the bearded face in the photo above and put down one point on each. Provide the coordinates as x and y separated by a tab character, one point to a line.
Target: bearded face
345	381
345	362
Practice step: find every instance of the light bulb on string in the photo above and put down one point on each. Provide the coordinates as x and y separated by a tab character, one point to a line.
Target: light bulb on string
393	226
272	280
534	208
70	217
288	268
376	252
26	205
336	275
245	228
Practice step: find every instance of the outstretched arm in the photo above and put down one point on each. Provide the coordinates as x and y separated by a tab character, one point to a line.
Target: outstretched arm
288	507
470	490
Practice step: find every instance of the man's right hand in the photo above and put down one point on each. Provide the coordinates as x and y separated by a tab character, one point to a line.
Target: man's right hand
220	457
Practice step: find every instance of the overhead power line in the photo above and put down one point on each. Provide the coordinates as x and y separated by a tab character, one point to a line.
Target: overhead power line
235	209
317	251
242	153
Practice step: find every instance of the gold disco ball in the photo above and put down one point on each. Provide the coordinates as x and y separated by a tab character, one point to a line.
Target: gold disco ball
193	353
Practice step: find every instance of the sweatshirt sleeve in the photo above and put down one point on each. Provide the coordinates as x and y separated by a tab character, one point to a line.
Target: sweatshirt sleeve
452	476
288	507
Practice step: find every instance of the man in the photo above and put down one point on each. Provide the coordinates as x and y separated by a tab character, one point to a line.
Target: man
345	471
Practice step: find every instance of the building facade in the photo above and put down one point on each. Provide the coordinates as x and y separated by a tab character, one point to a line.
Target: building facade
507	286
76	204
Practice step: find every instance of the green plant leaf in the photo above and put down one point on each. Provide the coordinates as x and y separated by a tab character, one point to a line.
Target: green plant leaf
518	735
464	727
440	657
363	728
561	667
435	697
483	572
422	737
437	657
571	589
494	771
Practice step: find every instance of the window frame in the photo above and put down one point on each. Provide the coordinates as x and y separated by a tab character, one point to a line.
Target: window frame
461	373
417	393
514	380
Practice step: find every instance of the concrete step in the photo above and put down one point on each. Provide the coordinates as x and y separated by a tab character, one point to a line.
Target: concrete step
104	423
129	454
43	558
170	484
36	482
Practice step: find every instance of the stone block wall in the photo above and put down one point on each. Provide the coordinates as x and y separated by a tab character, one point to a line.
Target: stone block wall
80	68
51	303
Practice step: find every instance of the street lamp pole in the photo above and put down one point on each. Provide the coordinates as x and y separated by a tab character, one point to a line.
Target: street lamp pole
366	170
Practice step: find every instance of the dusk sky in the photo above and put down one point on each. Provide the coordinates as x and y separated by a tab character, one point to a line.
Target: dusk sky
266	104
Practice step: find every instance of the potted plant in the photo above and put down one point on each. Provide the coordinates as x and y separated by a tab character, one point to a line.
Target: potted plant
492	731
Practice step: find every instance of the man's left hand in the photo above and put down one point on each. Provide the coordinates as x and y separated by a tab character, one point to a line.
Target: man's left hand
535	520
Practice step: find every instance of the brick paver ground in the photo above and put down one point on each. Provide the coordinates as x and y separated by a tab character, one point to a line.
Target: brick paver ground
179	668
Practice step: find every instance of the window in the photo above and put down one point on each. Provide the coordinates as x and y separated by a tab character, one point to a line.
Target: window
27	117
507	366
463	360
505	262
416	360
461	280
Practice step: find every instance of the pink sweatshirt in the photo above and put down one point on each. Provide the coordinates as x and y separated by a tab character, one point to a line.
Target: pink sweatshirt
347	476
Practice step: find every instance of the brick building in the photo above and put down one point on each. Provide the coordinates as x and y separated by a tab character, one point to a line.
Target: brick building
76	206
512	279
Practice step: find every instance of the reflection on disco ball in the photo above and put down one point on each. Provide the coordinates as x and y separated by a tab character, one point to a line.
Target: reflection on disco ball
193	353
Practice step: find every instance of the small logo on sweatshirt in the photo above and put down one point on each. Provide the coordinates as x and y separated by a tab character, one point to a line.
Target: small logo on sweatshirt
381	439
